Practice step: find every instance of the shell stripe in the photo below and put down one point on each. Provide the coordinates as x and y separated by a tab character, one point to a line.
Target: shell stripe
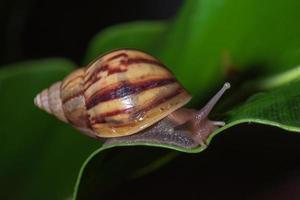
125	89
74	79
101	118
117	56
65	100
142	60
94	78
126	62
94	75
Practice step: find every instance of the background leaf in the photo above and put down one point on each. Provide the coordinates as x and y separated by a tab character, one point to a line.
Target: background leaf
139	35
251	33
40	157
101	174
279	107
109	166
209	40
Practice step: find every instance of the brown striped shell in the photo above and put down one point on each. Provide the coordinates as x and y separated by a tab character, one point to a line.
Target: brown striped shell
118	94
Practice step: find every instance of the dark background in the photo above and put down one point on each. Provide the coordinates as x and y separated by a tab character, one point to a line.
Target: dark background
245	162
32	29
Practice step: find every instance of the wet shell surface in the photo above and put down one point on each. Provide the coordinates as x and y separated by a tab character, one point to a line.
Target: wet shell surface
118	94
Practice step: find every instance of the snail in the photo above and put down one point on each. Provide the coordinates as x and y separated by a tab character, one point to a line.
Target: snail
125	93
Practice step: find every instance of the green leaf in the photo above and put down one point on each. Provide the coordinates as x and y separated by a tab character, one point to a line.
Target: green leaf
278	107
207	40
108	167
139	35
40	156
210	33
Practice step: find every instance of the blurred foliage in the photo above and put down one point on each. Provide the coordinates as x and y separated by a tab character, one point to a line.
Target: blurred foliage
249	42
138	35
40	156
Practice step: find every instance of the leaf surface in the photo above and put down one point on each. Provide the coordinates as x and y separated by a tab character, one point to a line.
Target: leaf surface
213	40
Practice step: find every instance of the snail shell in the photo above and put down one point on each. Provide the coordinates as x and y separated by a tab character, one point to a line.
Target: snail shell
118	94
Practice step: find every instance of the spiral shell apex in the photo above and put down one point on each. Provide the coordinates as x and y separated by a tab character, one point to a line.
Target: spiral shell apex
50	101
118	94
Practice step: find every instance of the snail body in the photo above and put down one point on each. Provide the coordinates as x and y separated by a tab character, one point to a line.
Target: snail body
122	93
